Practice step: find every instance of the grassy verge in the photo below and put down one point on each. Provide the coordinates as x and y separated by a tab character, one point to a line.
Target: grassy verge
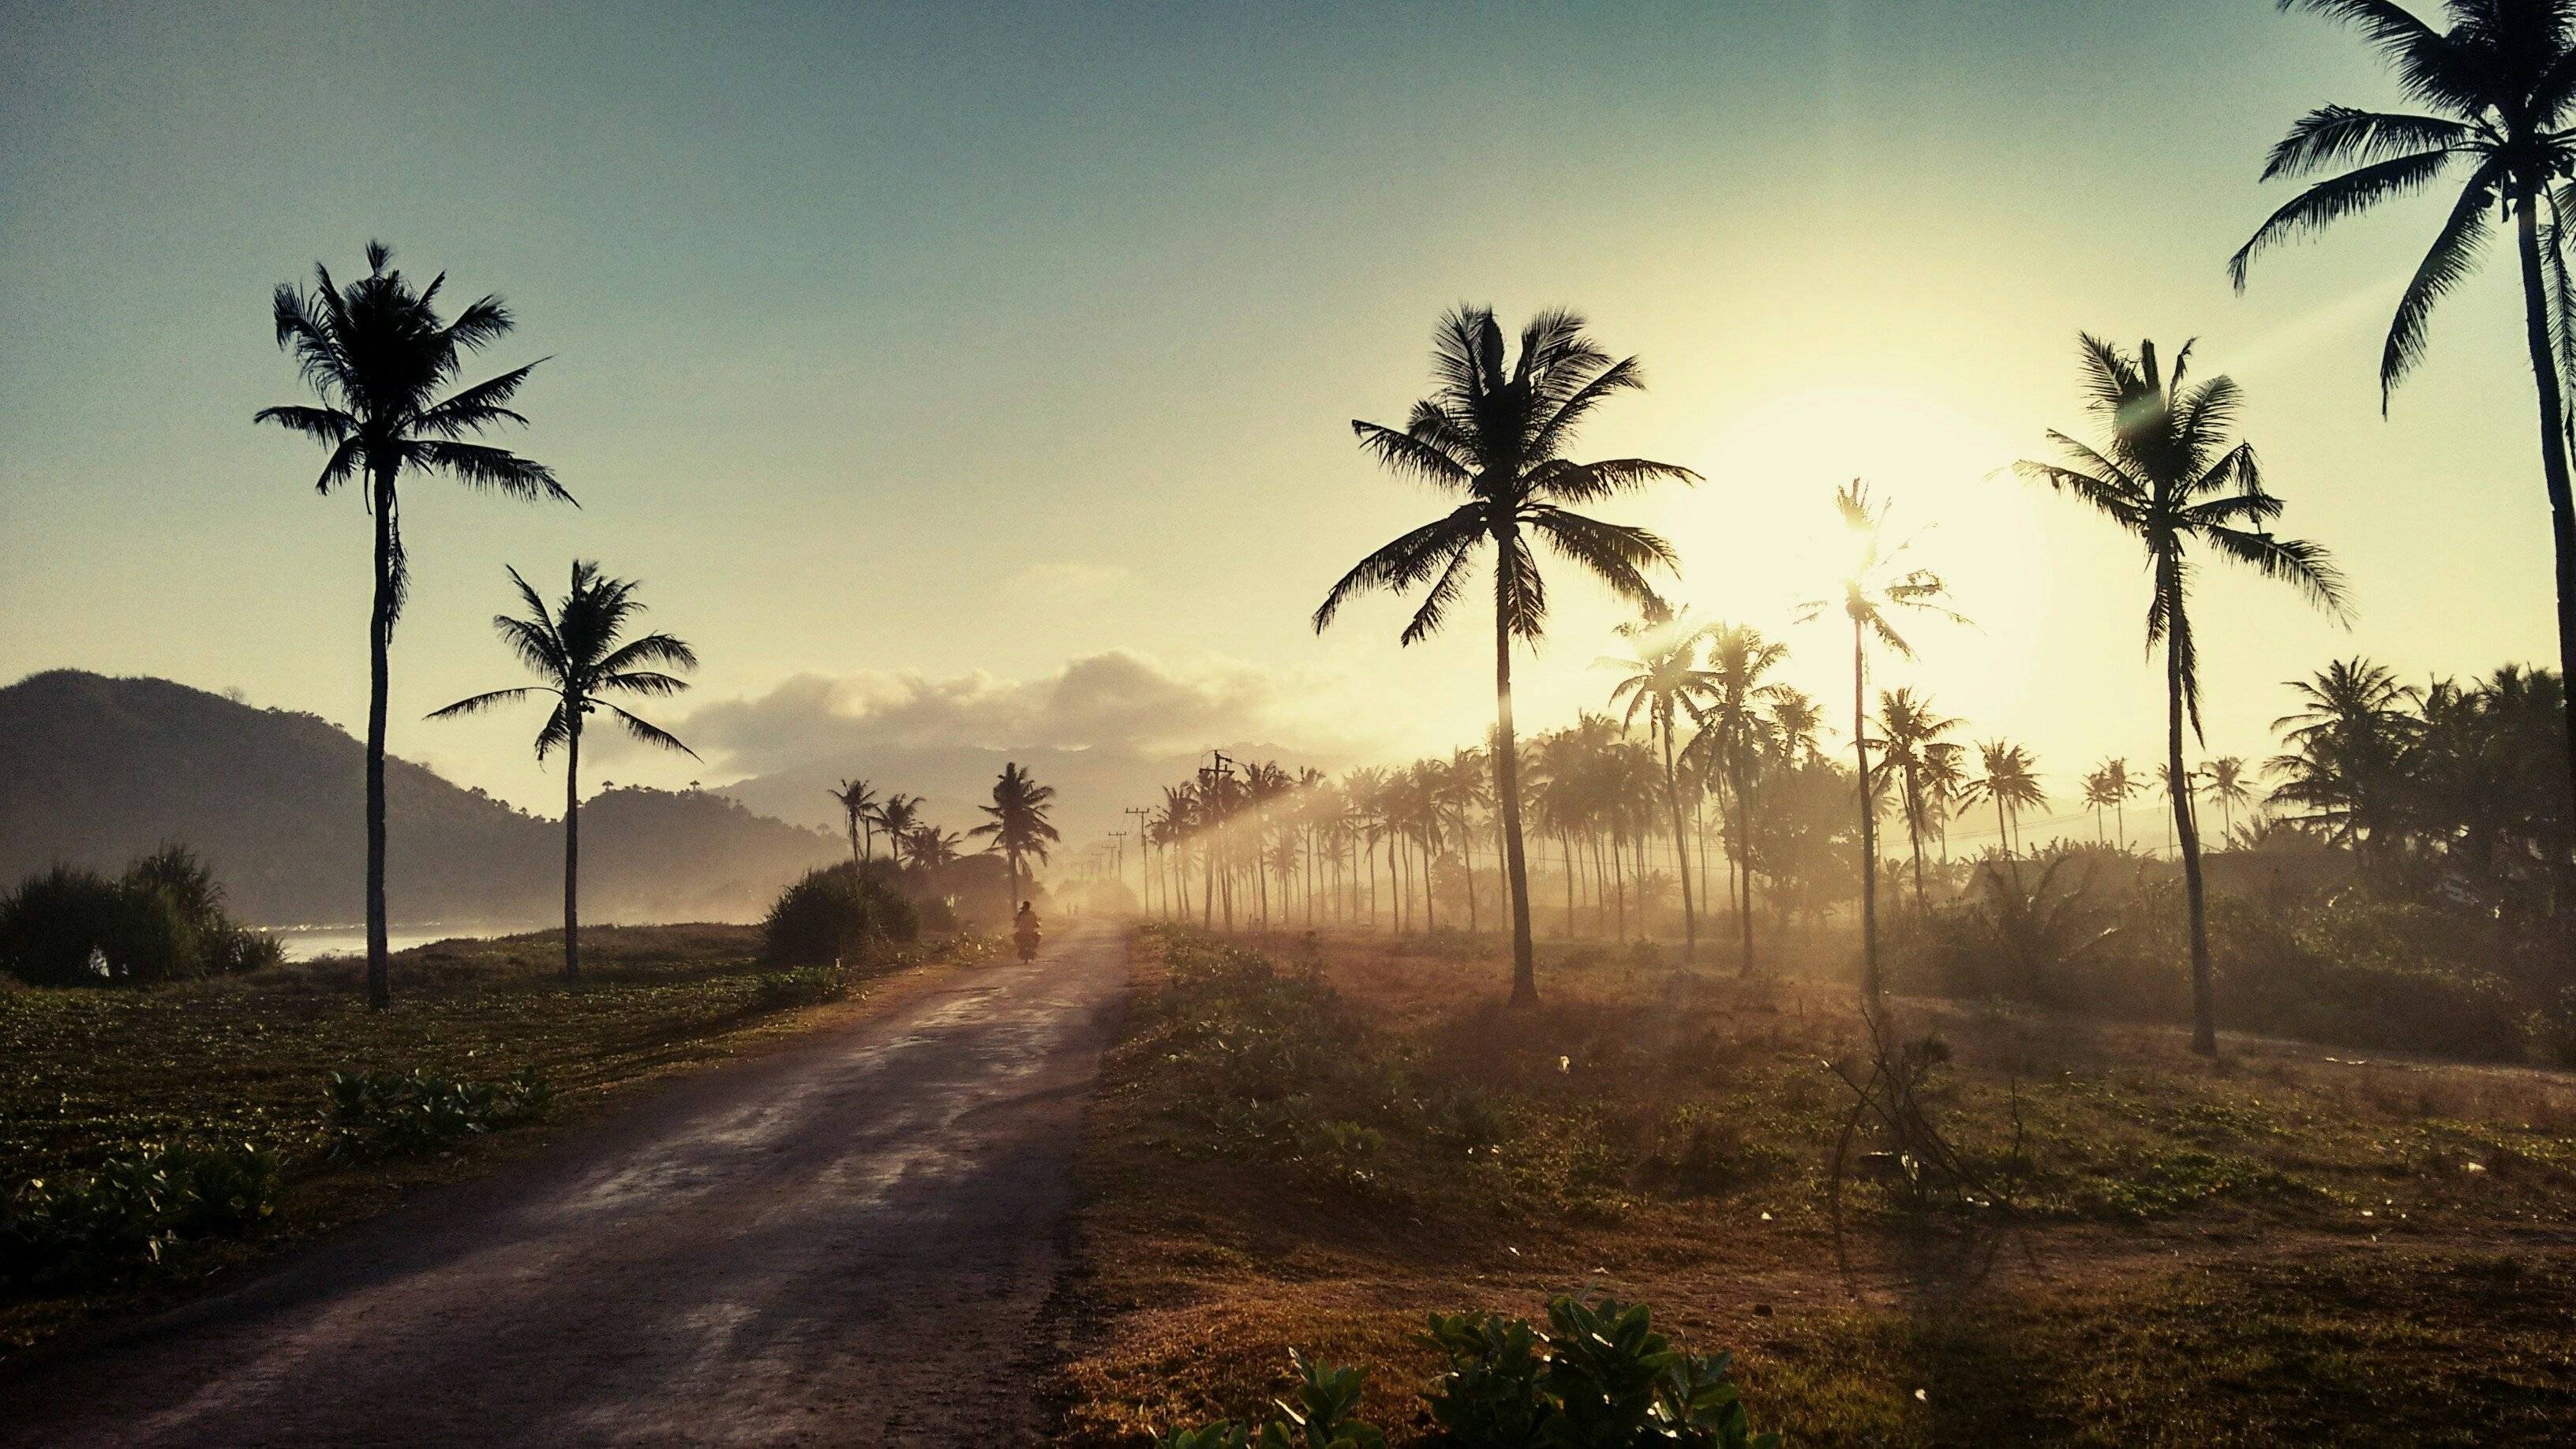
93	1077
1317	1149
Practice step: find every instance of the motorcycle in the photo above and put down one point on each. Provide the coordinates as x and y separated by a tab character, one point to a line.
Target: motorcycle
1027	938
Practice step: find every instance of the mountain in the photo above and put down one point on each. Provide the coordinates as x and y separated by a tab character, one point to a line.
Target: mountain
96	771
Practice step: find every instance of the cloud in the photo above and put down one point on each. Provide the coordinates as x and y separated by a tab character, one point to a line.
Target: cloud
1116	701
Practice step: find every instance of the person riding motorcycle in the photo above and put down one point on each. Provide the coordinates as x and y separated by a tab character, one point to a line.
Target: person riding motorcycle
1024	929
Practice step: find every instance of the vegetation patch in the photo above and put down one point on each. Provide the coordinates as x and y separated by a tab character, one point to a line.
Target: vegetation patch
2227	1248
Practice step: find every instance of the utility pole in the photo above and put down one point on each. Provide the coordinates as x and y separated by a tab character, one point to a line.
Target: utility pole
1144	857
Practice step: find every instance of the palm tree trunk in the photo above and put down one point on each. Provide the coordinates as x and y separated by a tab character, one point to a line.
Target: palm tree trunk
2553	448
1507	792
1743	863
572	848
2204	1012
1914	833
1681	857
380	639
1869	982
1565	848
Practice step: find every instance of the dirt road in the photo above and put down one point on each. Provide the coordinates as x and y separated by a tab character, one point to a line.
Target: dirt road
846	1242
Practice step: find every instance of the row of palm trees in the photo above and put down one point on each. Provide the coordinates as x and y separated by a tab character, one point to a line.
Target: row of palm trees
1018	827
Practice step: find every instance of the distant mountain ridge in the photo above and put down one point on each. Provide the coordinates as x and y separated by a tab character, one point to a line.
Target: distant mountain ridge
97	770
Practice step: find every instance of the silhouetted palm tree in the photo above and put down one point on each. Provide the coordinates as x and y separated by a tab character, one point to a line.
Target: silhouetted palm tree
858	803
2010	781
2503	82
2223	780
574	647
1017	823
1879	585
1494	437
378	355
1913	728
1729	743
1667	681
2120	787
2171	478
898	815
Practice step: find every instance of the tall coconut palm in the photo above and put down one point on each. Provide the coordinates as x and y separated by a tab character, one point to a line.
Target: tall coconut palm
2348	742
1944	774
1665	680
2170	477
1729	743
2098	796
1912	728
2501	83
1017	823
575	649
377	355
1880	586
858	803
2010	781
1493	434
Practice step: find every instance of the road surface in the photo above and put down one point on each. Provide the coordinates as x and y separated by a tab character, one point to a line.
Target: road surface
849	1241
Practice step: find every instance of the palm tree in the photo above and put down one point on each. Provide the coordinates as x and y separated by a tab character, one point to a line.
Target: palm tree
2010	781
2348	742
1018	824
1730	739
2223	780
1495	438
858	802
898	817
1879	585
377	354
2099	796
1666	680
1912	730
2502	82
574	648
2122	787
2171	478
1943	776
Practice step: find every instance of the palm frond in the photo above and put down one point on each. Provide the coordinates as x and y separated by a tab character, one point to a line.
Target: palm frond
2121	503
651	649
481	702
2345	135
2332	200
1564	482
1405	455
477	407
2453	255
1406	561
499	469
649	733
2307	566
1434	609
1618	554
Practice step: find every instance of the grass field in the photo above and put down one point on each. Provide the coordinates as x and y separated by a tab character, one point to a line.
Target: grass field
2287	1247
88	1075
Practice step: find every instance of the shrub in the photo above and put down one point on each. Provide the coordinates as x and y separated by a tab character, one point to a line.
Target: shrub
1597	1377
162	921
131	1212
392	1114
836	914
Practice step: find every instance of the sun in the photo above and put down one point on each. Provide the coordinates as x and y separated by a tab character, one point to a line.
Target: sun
1762	533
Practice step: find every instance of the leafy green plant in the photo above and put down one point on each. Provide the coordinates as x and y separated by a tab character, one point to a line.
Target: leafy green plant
131	1212
1597	1377
394	1114
1321	1413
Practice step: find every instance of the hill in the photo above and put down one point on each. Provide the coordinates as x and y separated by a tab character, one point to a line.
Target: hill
95	771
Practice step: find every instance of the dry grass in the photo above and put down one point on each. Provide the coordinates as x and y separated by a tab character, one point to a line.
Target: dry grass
2281	1248
87	1074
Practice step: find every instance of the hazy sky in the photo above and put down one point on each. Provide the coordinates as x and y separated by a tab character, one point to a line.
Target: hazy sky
989	367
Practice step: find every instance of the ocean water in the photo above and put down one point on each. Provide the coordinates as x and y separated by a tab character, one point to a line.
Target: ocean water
304	943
